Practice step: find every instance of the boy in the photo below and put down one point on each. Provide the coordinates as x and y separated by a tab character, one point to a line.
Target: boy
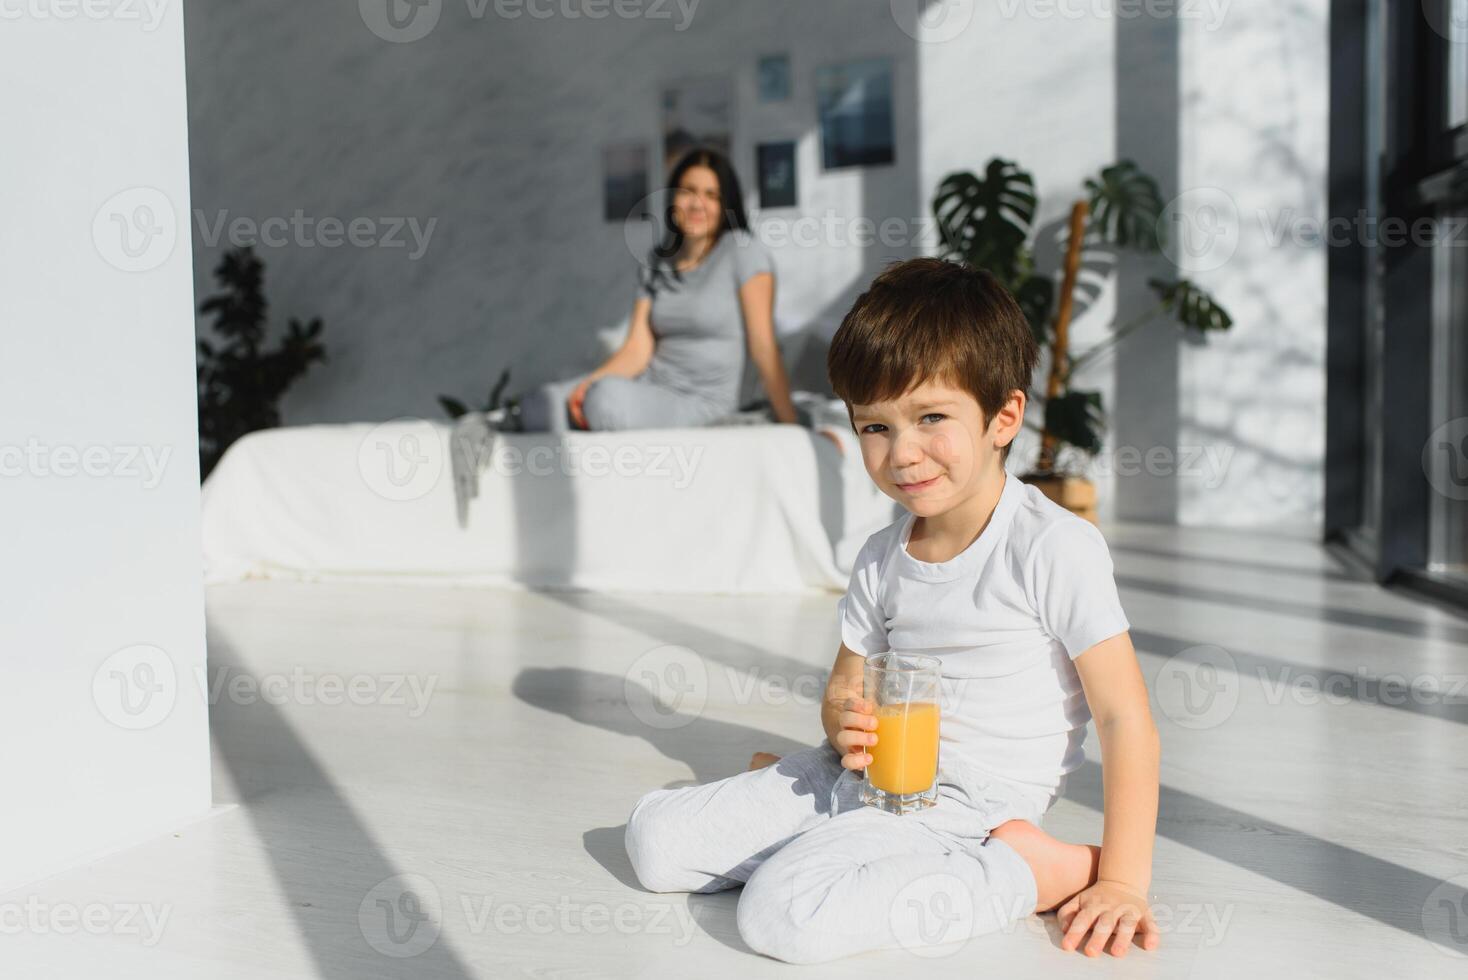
1015	596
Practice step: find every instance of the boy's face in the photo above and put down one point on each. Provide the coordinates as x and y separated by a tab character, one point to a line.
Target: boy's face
930	449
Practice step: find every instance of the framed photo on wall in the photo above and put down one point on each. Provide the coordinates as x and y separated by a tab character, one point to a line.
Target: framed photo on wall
624	178
776	166
774	78
696	112
854	103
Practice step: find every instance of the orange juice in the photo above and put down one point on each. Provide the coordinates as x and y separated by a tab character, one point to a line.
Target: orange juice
905	758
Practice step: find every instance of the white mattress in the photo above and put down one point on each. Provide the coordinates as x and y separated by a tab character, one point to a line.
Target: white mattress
747	508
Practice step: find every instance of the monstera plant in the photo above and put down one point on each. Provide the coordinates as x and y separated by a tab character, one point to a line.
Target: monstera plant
988	221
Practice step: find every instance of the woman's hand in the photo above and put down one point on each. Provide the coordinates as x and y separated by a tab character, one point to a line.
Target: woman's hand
575	401
1113	914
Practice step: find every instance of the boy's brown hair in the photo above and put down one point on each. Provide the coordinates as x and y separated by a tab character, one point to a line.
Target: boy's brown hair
933	320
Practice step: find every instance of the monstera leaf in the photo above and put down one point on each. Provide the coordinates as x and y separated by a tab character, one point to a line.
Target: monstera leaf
1125	206
1075	417
1036	297
1192	307
986	221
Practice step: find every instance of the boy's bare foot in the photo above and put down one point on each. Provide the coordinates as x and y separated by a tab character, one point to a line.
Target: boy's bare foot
1060	869
762	759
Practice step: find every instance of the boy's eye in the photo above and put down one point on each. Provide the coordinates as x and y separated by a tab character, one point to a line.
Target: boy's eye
878	426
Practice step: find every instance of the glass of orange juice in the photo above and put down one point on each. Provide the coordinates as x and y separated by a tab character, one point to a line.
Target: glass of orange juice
903	775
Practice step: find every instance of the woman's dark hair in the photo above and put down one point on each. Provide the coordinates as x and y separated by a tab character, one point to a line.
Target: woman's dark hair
731	205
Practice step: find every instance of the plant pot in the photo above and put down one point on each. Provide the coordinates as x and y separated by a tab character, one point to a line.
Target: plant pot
1075	493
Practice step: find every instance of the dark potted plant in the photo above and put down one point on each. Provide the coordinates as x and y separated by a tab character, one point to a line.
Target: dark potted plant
988	222
241	381
455	408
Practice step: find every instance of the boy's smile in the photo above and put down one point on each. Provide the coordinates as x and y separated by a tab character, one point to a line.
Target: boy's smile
931	451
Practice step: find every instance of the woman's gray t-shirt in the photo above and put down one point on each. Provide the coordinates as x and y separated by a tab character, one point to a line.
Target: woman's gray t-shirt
698	322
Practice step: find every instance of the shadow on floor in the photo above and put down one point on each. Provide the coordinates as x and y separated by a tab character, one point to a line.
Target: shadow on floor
737	654
1243	565
1350	879
711	749
1395	625
714	912
1325	683
313	827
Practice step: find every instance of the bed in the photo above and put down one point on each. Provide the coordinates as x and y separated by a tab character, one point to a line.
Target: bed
739	508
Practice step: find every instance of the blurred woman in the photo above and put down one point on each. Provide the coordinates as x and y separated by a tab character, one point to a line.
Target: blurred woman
706	294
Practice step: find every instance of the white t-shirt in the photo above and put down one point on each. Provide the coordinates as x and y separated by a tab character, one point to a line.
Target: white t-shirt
1007	616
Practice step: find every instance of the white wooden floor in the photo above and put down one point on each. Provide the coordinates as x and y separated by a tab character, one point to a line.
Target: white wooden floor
474	828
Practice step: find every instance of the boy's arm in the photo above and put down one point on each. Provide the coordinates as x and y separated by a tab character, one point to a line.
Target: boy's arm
1130	755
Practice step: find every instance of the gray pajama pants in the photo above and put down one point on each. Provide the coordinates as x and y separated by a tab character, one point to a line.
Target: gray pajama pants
613	403
825	876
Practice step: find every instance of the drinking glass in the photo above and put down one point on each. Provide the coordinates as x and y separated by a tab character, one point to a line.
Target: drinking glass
905	688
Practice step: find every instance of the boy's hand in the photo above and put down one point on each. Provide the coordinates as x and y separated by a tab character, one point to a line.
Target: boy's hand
858	732
1110	911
